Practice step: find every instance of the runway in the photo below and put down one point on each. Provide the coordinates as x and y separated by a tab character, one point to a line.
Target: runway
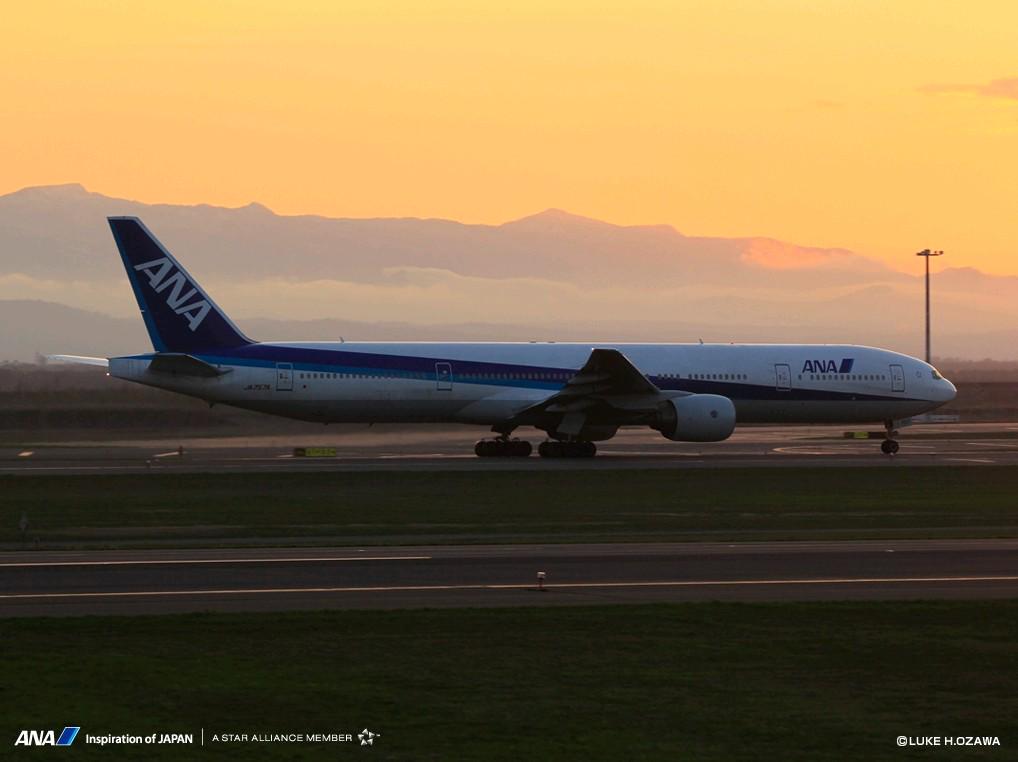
277	579
424	449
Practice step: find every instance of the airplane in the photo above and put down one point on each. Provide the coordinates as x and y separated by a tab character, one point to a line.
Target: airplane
576	393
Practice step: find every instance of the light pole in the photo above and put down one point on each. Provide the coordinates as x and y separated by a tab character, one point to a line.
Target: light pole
927	254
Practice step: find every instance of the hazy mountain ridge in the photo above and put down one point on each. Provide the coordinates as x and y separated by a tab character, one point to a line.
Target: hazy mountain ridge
552	275
61	231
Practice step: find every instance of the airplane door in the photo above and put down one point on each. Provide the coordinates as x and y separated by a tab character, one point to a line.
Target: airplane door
284	376
443	376
897	378
782	378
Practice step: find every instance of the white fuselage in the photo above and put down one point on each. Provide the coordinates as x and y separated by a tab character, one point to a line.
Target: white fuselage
485	383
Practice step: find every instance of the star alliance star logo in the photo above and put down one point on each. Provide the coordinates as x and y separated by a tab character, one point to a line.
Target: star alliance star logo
367	738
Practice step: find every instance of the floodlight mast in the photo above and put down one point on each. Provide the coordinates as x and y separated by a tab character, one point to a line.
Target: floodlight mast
927	253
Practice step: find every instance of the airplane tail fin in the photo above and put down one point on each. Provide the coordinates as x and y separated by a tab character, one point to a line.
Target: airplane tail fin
179	315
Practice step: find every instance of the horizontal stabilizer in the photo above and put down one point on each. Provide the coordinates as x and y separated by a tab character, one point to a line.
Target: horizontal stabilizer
183	365
79	360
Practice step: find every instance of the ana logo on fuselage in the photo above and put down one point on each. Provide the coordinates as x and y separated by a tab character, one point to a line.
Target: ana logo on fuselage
160	279
828	366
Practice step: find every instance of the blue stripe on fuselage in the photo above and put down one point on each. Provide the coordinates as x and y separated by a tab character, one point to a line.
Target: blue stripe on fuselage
307	360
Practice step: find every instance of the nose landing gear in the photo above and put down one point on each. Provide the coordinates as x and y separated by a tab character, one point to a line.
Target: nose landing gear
890	445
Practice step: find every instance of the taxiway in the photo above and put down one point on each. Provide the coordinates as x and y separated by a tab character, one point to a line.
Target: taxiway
763	446
273	579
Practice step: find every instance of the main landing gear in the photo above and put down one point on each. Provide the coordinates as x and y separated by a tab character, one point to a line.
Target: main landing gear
890	445
557	449
503	447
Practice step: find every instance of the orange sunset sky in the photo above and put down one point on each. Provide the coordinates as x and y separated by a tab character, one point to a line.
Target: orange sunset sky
884	127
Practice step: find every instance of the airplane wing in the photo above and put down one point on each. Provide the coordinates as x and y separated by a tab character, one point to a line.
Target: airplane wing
79	360
608	388
606	372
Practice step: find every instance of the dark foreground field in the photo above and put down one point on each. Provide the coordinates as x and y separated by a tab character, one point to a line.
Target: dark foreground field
561	506
688	681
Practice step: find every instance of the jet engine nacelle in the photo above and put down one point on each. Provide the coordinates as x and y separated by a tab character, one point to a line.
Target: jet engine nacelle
696	418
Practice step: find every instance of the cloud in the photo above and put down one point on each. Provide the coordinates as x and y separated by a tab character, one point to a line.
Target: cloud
999	88
432	296
424	296
108	297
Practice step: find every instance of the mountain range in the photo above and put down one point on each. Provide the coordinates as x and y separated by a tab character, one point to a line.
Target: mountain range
552	275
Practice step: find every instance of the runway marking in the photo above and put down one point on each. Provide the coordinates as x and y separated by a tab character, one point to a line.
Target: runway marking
970	460
560	585
155	562
815	451
404	456
14	470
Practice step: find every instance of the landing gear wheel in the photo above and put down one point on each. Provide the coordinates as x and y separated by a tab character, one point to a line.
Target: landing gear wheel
550	449
553	449
503	448
521	448
889	447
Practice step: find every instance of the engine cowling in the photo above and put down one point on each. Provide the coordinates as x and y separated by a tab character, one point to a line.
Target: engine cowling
696	418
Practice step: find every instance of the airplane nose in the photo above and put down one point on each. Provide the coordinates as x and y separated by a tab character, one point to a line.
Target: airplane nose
948	390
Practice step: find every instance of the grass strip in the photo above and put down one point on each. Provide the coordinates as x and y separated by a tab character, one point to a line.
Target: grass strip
704	681
407	507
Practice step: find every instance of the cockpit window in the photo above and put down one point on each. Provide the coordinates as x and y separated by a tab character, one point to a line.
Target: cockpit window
936	374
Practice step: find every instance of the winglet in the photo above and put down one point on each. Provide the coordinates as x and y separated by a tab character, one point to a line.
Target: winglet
179	315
